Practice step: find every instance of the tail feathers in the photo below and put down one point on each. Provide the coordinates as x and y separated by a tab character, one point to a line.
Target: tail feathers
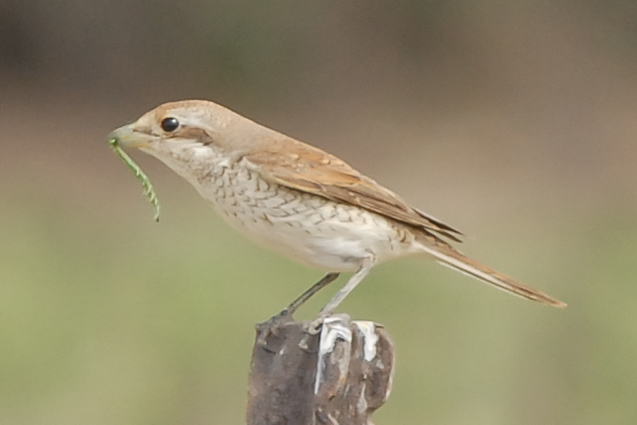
459	262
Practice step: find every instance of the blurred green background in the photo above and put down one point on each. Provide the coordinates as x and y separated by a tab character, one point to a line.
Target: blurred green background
514	121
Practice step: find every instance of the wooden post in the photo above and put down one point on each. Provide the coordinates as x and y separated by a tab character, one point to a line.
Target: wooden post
337	377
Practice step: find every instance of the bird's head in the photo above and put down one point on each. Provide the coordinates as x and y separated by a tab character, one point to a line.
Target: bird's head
186	124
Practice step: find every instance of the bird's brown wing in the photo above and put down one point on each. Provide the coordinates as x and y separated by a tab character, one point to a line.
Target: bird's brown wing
303	167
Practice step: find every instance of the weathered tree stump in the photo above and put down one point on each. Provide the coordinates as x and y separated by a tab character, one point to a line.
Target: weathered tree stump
337	377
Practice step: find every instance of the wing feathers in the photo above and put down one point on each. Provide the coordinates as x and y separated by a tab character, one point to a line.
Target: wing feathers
302	167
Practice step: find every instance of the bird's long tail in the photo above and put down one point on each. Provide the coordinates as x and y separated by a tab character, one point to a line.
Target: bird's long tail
448	256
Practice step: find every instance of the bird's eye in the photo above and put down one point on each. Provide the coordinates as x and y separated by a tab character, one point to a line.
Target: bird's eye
169	124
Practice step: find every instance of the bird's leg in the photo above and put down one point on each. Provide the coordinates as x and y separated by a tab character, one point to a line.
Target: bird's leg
302	299
269	327
329	308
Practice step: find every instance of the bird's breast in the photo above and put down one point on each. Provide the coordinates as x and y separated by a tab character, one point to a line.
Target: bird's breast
315	230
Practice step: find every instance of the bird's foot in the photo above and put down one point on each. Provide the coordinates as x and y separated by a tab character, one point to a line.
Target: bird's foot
271	327
313	328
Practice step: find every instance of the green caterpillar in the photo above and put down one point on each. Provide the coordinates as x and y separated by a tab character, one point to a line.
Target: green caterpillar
149	191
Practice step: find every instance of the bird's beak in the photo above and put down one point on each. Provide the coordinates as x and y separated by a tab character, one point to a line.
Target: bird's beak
129	136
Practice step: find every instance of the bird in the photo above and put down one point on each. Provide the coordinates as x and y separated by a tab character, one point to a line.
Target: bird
298	199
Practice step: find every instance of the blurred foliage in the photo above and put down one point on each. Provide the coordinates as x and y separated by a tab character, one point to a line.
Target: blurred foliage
512	120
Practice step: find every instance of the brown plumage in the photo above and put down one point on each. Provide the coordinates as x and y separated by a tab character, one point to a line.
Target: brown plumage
303	167
308	169
298	199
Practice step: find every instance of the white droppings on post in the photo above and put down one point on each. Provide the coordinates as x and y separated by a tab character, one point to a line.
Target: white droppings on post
370	338
362	401
334	328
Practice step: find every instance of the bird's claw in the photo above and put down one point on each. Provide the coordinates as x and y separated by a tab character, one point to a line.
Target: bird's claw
270	327
313	328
